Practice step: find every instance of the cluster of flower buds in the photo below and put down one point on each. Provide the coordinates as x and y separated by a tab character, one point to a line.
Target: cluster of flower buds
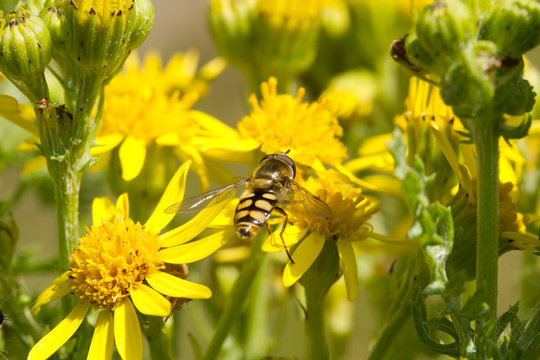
267	38
96	36
475	59
25	51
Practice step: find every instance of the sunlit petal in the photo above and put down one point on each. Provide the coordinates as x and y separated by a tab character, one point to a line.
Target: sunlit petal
148	301
196	250
122	205
132	154
195	226
58	288
127	332
102	210
304	256
173	193
349	267
291	236
106	143
34	164
102	344
171	285
60	334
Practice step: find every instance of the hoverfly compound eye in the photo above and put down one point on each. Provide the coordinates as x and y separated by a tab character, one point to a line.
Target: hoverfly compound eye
287	160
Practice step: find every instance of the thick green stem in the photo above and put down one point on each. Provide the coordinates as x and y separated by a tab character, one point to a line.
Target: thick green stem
67	172
159	336
318	346
487	243
67	183
390	331
236	298
256	327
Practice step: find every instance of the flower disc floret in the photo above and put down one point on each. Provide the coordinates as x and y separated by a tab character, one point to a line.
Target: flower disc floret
280	122
350	214
112	259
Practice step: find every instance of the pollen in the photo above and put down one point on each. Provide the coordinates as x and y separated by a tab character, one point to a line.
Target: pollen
112	259
281	121
350	210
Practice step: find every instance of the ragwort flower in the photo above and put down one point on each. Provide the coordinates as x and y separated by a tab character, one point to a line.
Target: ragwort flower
347	224
280	122
151	106
118	268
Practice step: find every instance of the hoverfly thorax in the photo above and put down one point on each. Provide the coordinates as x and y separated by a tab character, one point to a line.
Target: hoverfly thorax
273	169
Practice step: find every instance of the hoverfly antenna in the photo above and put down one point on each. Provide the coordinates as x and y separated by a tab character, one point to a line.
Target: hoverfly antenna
286	152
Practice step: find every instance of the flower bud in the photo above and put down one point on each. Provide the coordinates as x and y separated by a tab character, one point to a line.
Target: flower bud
231	26
267	38
514	26
469	86
444	27
287	33
96	36
25	51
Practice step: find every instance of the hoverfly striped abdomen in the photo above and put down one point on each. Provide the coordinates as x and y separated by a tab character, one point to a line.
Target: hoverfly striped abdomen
252	212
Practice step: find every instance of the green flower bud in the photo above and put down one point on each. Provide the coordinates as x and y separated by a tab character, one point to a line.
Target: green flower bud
96	36
286	36
231	26
444	27
416	57
25	52
515	98
469	86
514	25
267	38
55	128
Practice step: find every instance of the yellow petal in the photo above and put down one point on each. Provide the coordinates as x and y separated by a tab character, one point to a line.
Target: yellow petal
102	344
225	219
34	165
127	332
196	250
210	123
122	205
149	302
195	226
291	236
60	334
106	143
349	267
102	210
304	255
172	194
170	285
170	139
58	288
199	166
132	154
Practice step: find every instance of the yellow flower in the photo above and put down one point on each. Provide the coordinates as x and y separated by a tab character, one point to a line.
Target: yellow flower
347	224
119	267
147	106
280	122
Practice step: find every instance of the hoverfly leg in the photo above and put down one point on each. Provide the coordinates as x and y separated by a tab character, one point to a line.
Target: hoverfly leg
282	212
268	228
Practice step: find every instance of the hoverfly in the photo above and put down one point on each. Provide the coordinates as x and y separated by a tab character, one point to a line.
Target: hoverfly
270	187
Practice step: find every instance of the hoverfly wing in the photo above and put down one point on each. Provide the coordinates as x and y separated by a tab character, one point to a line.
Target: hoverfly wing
212	197
308	203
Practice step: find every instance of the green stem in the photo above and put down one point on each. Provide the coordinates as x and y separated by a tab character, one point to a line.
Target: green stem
256	336
487	243
236	298
67	183
159	336
318	346
390	331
